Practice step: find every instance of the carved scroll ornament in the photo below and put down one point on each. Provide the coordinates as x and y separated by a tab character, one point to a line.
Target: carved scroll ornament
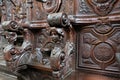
52	6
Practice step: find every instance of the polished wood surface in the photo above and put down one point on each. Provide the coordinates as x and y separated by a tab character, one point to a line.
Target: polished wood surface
89	75
79	75
97	41
49	32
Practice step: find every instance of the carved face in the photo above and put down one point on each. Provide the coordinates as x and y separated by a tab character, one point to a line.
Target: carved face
101	1
54	36
11	37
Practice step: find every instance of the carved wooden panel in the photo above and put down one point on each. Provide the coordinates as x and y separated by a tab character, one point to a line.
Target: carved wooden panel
97	35
97	48
96	7
96	23
67	6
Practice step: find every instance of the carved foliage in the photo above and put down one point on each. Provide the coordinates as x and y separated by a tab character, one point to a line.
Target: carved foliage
84	9
102	7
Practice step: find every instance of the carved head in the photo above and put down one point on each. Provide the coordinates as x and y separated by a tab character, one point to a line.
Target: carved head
11	36
9	51
55	34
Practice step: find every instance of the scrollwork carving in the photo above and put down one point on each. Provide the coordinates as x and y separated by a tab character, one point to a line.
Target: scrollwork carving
52	6
48	45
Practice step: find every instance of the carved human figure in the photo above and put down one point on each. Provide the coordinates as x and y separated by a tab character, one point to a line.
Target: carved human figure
10	51
56	36
55	40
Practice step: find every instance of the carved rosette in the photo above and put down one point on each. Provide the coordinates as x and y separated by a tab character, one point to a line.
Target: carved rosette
102	7
103	54
52	5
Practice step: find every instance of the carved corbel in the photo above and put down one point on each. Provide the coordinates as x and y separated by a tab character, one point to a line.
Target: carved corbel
11	52
61	56
14	56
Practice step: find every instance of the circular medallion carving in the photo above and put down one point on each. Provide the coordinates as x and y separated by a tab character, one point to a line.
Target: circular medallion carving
52	5
103	28
103	52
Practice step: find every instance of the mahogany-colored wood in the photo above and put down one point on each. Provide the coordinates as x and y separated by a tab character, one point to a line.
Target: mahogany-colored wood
43	35
97	41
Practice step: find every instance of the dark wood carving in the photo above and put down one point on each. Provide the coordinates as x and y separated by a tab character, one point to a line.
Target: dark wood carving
42	33
102	7
37	41
97	35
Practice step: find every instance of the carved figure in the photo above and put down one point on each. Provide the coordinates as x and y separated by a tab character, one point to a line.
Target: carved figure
53	54
10	51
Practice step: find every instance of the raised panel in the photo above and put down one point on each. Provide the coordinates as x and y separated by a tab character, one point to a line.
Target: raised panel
97	50
97	7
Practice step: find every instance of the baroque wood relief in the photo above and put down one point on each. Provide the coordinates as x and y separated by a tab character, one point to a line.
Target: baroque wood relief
84	9
102	7
98	50
97	38
47	29
39	36
42	9
52	6
103	27
96	7
67	6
